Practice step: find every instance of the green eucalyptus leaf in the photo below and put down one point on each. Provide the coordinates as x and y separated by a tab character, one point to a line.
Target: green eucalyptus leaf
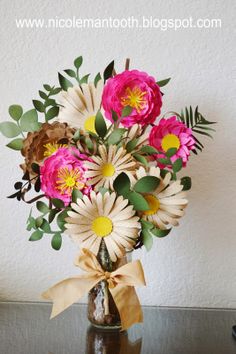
56	241
122	184
147	239
64	83
47	87
100	125
15	111
55	91
42	207
171	152
126	111
97	78
115	137
70	72
141	159
78	62
9	129
160	233
58	203
76	136
138	201
114	116
51	215
16	144
186	182
84	79
131	145
177	165
76	194
146	184
39	221
43	95
39	105
52	113
45	226
162	83
164	161
147	149
146	224
36	235
29	121
108	71
61	219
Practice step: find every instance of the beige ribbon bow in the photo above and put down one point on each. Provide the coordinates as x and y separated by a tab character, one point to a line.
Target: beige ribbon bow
121	284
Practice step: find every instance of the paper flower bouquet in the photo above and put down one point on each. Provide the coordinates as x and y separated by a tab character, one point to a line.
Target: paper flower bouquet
105	166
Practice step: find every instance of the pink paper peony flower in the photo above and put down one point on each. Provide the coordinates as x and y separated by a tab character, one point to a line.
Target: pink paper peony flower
62	172
136	89
170	133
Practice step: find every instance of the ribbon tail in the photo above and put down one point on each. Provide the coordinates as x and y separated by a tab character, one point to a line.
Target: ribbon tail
128	305
69	291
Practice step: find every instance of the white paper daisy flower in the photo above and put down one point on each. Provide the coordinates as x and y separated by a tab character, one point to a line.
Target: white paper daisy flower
80	106
167	202
105	168
105	218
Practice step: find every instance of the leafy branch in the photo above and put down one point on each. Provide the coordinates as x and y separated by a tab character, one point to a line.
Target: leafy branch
198	124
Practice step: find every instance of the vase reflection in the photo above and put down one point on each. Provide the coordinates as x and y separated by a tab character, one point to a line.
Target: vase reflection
106	342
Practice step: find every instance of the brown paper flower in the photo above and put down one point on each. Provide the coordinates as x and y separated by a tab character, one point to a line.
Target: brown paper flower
41	144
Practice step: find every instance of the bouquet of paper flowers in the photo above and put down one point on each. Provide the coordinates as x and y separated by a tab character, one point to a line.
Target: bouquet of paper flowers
105	166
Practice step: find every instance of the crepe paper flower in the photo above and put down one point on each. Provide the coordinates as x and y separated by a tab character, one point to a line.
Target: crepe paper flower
135	89
170	133
63	172
80	106
41	144
167	202
105	218
103	169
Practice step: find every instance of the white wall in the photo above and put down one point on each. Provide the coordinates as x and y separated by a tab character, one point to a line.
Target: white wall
196	264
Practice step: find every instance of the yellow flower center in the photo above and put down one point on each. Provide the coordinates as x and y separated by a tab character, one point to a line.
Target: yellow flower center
50	148
134	98
89	124
108	170
170	141
153	203
102	226
68	180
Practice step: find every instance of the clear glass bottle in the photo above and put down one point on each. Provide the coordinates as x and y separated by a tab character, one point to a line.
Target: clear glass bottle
102	311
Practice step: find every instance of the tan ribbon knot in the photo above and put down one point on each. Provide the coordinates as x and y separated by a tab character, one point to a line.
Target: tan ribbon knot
121	284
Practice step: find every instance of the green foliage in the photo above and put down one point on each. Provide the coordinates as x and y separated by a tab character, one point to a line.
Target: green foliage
100	125
52	113
108	71
78	62
76	194
131	145
29	121
141	159
39	106
186	182
160	233
162	83
58	203
42	207
177	165
115	137
84	79
126	111
197	123
122	184
15	112
147	239
149	150
64	82
9	129
70	73
61	219
56	241
36	235
138	201
171	152
146	184
97	78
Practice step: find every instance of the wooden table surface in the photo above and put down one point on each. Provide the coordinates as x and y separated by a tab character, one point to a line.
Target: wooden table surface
25	328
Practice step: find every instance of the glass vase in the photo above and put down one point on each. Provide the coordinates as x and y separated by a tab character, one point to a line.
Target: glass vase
102	311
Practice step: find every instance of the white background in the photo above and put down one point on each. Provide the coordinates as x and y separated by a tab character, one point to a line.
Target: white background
196	264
